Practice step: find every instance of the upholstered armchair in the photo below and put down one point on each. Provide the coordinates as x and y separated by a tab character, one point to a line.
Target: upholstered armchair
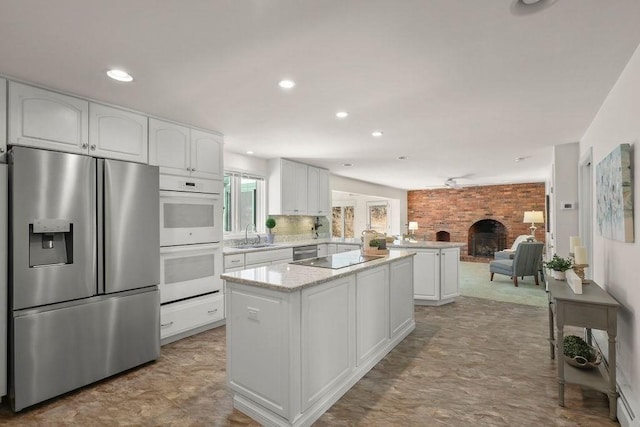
510	253
525	262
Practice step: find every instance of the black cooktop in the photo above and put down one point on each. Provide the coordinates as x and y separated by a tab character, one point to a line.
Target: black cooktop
335	261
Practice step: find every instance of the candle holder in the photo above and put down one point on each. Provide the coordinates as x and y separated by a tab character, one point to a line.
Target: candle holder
579	270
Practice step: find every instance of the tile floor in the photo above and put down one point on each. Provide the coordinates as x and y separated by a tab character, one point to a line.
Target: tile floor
476	362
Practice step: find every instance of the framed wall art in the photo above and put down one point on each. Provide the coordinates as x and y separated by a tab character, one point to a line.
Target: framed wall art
614	194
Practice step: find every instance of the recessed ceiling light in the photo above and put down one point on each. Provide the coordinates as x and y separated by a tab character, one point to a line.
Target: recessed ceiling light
519	159
249	152
341	114
286	84
119	75
376	133
402	157
348	165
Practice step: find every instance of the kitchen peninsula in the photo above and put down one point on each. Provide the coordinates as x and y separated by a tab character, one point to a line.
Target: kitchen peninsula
436	269
299	336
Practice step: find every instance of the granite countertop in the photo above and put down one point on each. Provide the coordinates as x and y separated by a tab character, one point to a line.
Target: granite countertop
293	277
281	245
425	244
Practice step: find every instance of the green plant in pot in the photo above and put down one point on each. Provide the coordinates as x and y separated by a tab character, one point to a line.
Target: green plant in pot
559	266
270	223
580	354
374	243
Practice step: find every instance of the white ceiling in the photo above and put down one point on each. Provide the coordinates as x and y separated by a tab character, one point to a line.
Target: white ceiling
460	87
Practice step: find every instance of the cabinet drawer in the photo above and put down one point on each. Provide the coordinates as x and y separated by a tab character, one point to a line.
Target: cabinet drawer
269	255
233	261
346	247
182	316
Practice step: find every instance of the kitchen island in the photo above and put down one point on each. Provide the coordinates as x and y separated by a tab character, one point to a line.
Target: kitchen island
436	270
300	336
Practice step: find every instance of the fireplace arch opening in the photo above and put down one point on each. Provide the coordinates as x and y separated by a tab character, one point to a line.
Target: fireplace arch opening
486	237
443	236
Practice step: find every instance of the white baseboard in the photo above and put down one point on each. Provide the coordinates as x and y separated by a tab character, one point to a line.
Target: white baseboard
628	407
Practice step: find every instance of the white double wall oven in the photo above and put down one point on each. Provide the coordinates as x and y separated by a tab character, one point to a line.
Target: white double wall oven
190	237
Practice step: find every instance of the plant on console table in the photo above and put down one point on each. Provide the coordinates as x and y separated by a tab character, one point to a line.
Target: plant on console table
270	223
559	266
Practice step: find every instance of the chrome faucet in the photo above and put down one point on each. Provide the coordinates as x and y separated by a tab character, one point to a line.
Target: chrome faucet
246	230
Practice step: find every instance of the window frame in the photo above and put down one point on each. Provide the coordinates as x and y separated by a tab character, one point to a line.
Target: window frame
235	184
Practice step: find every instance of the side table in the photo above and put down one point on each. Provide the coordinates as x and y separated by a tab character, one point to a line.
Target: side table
593	309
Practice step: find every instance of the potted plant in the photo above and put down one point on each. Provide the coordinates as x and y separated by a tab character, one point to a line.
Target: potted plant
270	223
580	354
559	266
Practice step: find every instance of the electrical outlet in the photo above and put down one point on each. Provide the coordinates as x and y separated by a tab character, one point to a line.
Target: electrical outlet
253	313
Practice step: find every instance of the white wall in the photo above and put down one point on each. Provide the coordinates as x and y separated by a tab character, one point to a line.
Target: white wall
241	163
399	203
565	189
616	265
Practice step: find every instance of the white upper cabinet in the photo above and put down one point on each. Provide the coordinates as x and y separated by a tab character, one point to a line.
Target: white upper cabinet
45	119
206	155
179	150
298	189
318	201
294	188
3	121
117	134
169	147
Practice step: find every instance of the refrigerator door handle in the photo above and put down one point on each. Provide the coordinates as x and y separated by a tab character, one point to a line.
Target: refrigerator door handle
100	223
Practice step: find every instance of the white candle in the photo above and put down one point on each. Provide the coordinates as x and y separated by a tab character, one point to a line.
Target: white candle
580	253
573	242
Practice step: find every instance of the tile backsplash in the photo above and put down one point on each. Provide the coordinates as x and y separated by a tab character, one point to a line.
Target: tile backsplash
292	228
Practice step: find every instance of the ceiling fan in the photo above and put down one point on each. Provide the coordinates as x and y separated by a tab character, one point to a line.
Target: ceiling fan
452	181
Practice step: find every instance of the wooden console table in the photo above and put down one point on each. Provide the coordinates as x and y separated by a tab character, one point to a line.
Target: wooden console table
593	309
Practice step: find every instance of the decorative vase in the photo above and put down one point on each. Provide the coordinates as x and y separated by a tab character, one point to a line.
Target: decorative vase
558	275
270	237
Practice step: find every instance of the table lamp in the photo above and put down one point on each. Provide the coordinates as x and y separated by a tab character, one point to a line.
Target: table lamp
413	226
533	217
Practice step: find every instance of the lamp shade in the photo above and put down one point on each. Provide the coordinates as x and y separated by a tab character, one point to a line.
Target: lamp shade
533	217
413	225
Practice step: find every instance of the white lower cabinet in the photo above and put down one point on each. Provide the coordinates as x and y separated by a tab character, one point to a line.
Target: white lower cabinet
400	295
323	250
345	247
436	280
327	344
372	312
290	355
181	318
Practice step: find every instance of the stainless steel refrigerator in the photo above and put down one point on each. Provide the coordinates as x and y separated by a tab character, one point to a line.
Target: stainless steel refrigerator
84	270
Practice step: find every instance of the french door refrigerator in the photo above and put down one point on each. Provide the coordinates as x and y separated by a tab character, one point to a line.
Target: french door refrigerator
84	271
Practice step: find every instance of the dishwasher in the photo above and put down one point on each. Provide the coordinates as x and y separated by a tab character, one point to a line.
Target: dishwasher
305	252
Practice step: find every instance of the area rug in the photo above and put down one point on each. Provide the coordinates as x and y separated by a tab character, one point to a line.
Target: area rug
475	282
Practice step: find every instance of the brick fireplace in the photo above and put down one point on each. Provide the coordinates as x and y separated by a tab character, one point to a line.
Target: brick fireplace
485	218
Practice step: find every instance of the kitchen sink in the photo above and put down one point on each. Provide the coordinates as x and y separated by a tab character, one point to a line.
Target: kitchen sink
254	246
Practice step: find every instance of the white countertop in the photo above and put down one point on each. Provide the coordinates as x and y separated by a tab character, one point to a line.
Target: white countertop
280	245
425	244
293	277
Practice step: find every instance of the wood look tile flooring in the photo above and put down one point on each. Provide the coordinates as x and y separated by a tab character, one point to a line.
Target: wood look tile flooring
475	362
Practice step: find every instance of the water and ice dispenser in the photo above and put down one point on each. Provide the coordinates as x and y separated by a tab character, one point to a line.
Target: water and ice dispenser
50	242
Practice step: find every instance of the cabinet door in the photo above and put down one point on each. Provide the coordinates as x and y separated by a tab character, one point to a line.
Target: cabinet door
372	312
331	248
400	295
426	274
206	155
324	193
44	119
313	182
117	134
323	250
3	121
169	147
294	188
318	202
449	265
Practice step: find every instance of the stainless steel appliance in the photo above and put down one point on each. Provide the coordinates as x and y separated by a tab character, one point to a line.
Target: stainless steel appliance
84	271
305	252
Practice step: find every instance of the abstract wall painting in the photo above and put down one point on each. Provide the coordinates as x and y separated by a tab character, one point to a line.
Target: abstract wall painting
614	194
